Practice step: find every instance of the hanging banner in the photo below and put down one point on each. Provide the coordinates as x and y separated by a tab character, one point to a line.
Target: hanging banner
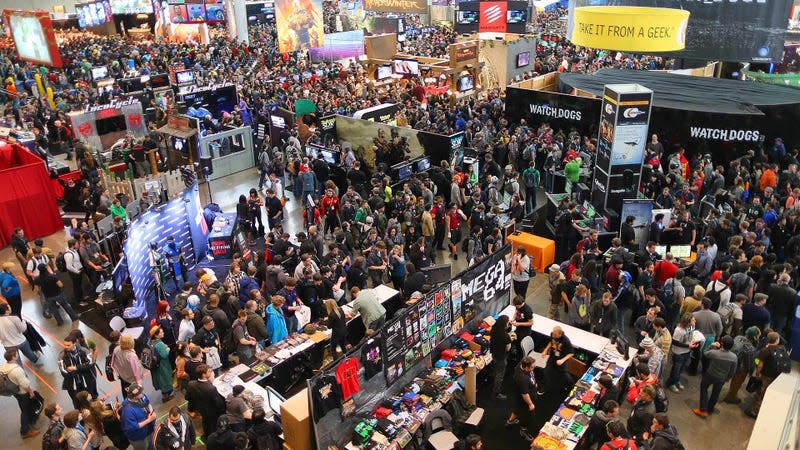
629	29
487	285
493	17
299	24
397	6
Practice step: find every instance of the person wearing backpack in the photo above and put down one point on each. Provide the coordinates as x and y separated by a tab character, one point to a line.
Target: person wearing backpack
618	437
161	370
51	439
14	382
126	364
722	363
731	315
745	349
176	432
663	435
531	177
137	418
579	308
771	361
718	291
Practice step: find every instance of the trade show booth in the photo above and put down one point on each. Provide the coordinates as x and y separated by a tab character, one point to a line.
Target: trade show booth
505	57
103	125
24	182
227	152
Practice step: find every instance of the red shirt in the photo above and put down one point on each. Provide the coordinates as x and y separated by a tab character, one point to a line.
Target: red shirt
347	377
455	219
619	444
331	202
664	271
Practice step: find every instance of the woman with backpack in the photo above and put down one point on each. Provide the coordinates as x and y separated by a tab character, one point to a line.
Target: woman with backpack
579	308
161	366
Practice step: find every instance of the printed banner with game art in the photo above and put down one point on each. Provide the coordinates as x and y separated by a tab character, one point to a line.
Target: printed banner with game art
397	6
299	24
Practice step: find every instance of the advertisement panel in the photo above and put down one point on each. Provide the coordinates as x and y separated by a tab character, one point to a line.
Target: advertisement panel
630	137
33	36
561	111
492	17
487	286
352	13
338	46
299	24
397	6
724	30
605	137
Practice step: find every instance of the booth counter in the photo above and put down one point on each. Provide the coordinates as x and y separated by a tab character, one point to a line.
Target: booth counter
542	251
227	152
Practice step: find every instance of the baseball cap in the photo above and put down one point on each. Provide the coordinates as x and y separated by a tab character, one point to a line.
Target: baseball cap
133	390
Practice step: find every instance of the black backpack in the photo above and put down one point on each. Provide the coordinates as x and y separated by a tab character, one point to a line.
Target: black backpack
780	362
714	295
61	263
661	401
148	356
51	437
738	285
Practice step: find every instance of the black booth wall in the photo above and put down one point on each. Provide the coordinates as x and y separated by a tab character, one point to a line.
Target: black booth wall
699	132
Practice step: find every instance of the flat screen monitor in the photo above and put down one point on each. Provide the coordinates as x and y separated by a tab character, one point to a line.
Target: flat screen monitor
423	164
405	171
589	210
274	400
184	77
437	274
131	84
466	17
384	72
111	125
159	81
406	66
661	250
278	121
328	156
131	7
523	59
99	73
466	83
215	12
516	16
681	251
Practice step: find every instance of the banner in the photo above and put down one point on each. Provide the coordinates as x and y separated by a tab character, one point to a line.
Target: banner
561	111
723	30
629	29
397	6
493	17
299	24
339	46
487	286
352	14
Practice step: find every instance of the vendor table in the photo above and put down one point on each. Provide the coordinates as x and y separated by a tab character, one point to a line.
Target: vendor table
272	399
220	238
542	251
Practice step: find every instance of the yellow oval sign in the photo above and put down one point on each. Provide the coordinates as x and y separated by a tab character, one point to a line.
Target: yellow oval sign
630	28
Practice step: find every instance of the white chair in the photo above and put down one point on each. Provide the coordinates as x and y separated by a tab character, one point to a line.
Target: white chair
117	323
527	345
438	430
475	418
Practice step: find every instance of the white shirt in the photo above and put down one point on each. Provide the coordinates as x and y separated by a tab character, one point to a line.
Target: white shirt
73	261
33	264
186	330
724	293
11	329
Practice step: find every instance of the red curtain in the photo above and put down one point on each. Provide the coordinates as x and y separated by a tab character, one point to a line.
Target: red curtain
26	196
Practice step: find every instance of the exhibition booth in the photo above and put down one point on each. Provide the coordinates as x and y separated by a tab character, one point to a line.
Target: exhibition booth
506	56
24	182
101	126
707	115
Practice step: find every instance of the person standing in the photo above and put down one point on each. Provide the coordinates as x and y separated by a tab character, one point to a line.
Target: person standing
10	289
520	271
12	336
245	344
366	303
162	372
397	267
78	370
524	396
74	435
204	399
276	321
722	365
682	346
274	207
16	375
558	351
772	360
264	434
745	349
126	364
522	320
75	271
500	345
338	326
20	245
137	417
176	432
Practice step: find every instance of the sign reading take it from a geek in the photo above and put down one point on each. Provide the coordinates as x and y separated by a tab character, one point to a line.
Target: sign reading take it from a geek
627	28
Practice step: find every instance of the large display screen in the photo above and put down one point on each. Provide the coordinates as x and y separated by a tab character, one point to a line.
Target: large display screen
516	16
339	46
523	59
33	36
466	17
384	72
406	66
466	83
131	6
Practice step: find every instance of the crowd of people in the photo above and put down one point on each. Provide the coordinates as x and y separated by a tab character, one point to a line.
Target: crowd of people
738	293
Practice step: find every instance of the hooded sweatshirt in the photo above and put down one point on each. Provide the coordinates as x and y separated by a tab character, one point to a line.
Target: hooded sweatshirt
666	439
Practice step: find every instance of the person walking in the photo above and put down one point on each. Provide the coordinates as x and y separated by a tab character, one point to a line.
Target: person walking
162	371
722	365
24	393
78	369
53	292
75	270
176	432
12	336
137	417
745	349
524	397
126	364
772	360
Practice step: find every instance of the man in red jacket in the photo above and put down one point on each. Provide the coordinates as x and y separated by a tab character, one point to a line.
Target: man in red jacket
665	270
330	210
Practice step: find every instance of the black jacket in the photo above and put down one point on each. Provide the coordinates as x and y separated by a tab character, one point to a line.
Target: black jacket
204	399
83	375
166	438
666	439
264	436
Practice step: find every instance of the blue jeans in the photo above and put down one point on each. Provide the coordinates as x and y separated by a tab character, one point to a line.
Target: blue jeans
26	410
678	363
53	303
707	404
291	324
25	349
377	323
530	200
621	319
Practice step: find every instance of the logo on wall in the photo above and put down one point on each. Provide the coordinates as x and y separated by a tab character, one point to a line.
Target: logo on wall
493	17
466	53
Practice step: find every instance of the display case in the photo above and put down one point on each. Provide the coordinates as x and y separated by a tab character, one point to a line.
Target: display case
227	152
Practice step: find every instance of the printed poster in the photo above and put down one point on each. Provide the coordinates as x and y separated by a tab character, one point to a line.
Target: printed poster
300	25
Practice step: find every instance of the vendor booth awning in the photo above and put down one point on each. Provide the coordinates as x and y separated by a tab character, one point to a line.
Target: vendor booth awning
26	196
689	93
177	132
